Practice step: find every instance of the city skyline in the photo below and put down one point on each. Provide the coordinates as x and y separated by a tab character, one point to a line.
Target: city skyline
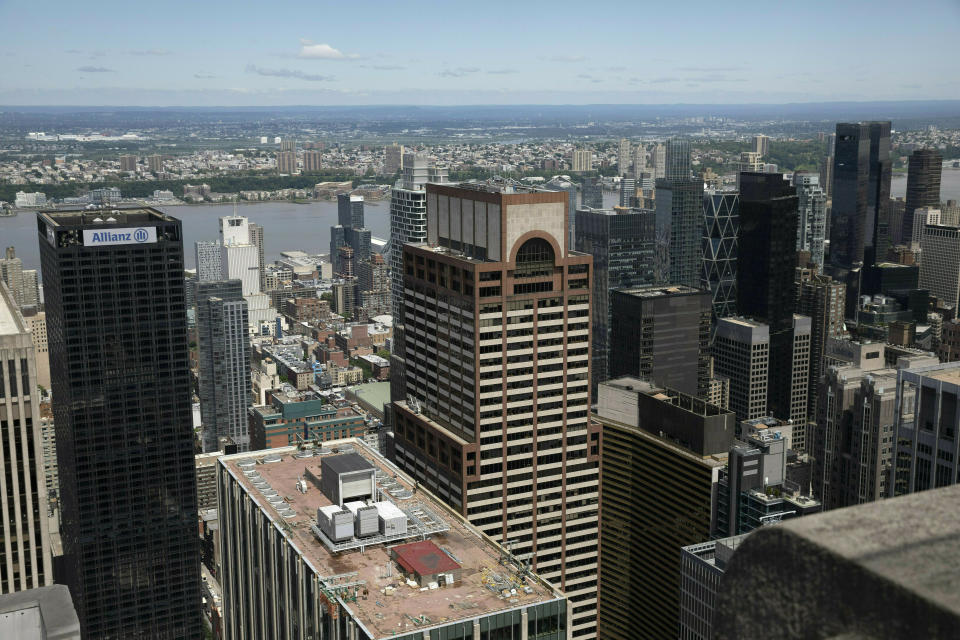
335	55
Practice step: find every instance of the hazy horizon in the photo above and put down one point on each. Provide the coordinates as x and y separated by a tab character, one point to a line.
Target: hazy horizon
433	53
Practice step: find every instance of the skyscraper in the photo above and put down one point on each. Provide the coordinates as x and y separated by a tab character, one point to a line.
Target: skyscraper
662	453
767	249
639	160
822	300
497	355
121	382
223	363
286	162
26	562
209	261
622	246
628	190
350	210
812	208
679	207
592	193
392	159
766	287
11	272
408	223
923	187
741	352
861	194
256	239
940	263
312	161
721	217
761	145
623	157
677	160
659	159
662	334
925	433
581	160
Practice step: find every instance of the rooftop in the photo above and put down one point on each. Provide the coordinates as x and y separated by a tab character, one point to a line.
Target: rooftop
87	217
658	291
407	608
11	323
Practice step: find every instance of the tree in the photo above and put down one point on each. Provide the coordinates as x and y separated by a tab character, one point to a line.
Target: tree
383	353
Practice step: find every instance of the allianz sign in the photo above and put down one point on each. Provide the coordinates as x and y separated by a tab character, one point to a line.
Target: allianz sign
139	235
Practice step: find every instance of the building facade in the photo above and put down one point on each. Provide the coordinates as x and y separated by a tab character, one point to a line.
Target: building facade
622	246
923	187
119	366
25	555
662	454
741	352
861	194
721	218
497	353
223	358
662	335
812	221
408	224
940	263
208	260
927	417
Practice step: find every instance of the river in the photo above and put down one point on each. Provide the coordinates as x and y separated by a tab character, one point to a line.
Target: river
289	226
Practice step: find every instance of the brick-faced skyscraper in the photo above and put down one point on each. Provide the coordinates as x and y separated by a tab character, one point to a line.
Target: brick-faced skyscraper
116	324
497	352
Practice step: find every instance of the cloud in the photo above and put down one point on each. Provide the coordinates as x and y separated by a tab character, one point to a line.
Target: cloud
616	68
459	72
911	86
204	76
502	72
73	51
663	80
91	69
150	52
568	58
287	73
709	69
388	67
310	50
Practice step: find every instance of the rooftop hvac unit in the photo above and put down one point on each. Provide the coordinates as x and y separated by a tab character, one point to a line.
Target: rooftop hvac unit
272	458
366	521
392	520
336	523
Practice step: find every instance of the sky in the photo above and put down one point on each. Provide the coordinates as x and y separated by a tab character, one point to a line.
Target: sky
241	53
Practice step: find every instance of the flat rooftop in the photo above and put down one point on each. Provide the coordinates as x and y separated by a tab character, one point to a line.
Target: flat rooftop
661	290
947	375
385	616
86	217
10	320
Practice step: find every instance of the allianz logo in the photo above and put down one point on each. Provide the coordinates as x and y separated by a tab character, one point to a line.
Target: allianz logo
137	235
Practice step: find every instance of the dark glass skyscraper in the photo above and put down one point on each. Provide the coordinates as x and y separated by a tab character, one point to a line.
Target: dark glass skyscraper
350	210
622	246
767	249
923	186
679	206
662	335
721	225
116	326
861	194
766	271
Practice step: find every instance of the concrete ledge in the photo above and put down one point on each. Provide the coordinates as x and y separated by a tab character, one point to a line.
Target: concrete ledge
889	569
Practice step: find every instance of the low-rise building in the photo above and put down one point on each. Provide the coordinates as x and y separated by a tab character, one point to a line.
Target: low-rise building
294	418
